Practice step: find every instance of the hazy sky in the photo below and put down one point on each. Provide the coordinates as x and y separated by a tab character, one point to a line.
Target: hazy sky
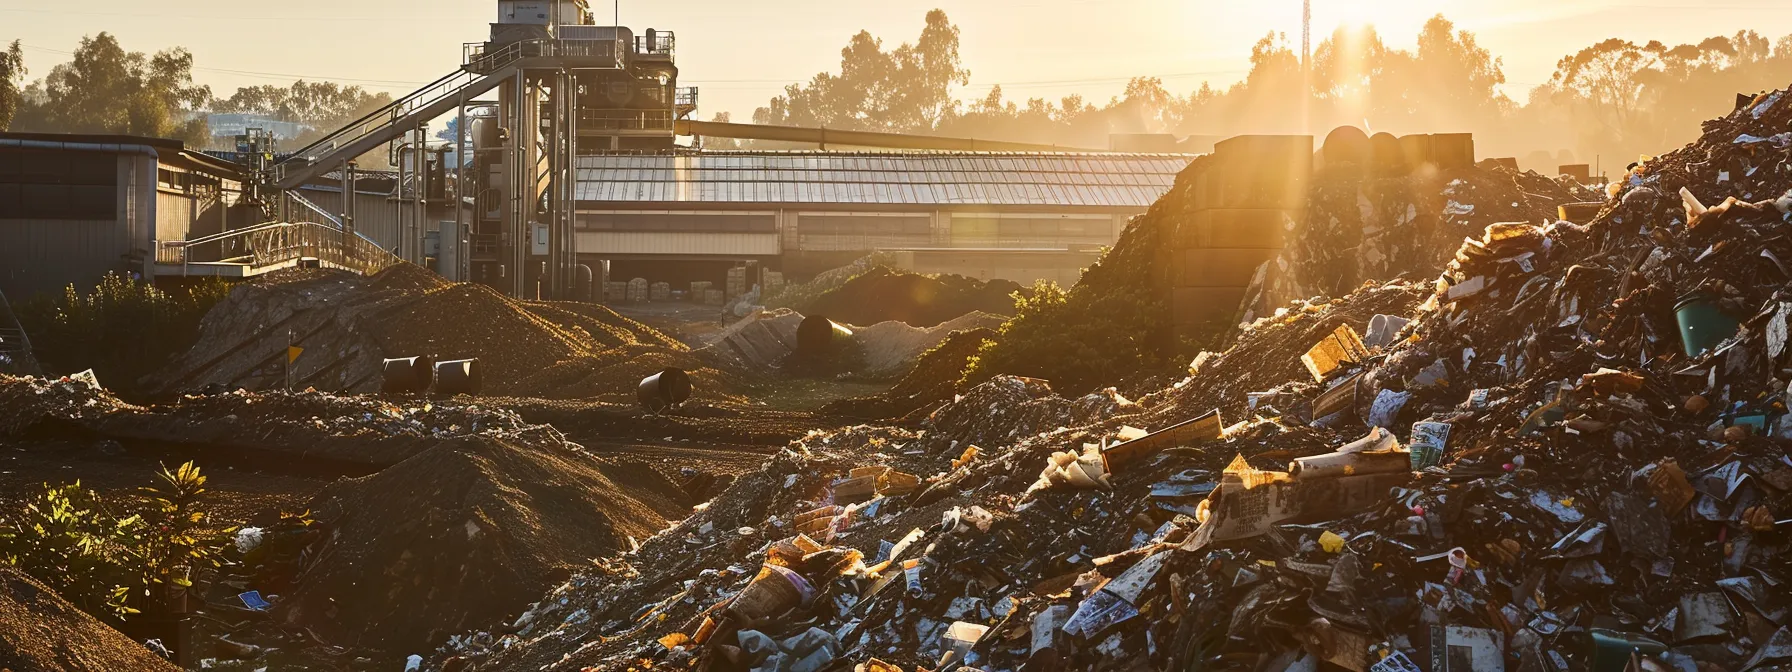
741	52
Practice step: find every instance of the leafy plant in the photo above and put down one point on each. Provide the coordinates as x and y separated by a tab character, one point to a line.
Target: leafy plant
65	538
105	564
177	540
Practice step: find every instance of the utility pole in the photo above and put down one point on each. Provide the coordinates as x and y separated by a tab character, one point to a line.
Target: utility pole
1306	67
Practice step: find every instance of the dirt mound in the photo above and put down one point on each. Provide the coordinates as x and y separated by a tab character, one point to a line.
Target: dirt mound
463	534
933	380
889	348
406	278
41	632
883	294
345	326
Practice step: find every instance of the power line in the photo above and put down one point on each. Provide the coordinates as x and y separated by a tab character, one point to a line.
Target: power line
226	17
270	75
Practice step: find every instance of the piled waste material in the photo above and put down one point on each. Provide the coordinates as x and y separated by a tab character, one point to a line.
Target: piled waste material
344	327
883	294
934	380
356	433
31	401
1366	227
41	632
468	530
1571	455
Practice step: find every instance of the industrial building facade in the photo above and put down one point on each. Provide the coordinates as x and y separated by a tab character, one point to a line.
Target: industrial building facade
76	207
1016	216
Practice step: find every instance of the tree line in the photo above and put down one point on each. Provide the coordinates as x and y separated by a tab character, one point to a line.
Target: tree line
1614	99
106	89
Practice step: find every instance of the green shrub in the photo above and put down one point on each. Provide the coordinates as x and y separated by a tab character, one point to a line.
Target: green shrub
107	564
122	329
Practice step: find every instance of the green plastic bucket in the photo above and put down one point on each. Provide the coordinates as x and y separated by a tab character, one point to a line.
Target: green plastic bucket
1702	324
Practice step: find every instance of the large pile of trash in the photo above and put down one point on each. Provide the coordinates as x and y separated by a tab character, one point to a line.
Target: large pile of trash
466	531
1361	226
882	294
1571	455
332	331
41	632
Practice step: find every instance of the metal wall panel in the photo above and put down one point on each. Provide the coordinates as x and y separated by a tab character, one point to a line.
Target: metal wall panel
607	243
376	215
46	255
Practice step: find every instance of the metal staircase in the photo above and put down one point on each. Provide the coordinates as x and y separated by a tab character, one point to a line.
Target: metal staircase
15	346
386	124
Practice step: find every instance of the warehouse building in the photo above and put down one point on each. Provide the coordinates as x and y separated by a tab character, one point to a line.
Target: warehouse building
1016	216
75	207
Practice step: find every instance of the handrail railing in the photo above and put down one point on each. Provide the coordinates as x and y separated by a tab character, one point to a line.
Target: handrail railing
306	203
664	43
388	115
476	58
15	344
625	120
281	242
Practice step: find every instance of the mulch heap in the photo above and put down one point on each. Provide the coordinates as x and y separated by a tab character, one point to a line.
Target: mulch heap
466	532
347	325
883	294
1535	472
41	632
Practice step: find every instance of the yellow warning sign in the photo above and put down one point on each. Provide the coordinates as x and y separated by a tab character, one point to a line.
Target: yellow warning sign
293	352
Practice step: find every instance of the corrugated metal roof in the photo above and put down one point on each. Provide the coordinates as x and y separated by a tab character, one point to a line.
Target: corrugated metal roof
929	178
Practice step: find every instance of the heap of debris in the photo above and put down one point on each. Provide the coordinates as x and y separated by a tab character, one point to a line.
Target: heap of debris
41	632
344	326
1571	455
1366	227
31	401
356	433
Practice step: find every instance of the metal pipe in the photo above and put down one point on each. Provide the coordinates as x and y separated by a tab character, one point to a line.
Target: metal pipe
556	193
420	178
398	203
462	270
827	136
572	182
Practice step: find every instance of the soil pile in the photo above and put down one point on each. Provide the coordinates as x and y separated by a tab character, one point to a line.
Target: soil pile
933	380
462	534
346	325
799	295
41	632
765	341
883	295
